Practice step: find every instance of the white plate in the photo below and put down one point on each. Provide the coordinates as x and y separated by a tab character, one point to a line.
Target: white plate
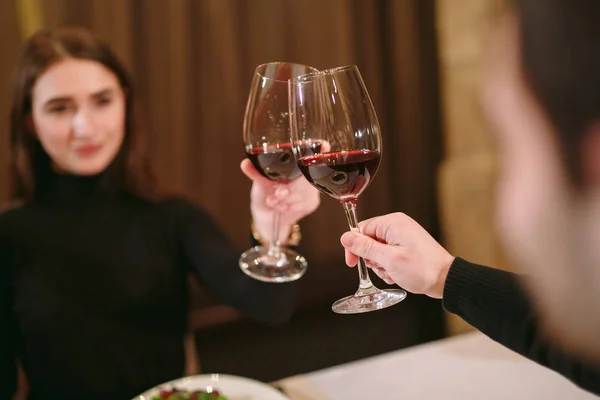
232	387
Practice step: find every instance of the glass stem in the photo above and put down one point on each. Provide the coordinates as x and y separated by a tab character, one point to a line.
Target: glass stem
365	286
274	242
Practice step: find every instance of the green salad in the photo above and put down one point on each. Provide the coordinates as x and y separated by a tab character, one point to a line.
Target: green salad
176	394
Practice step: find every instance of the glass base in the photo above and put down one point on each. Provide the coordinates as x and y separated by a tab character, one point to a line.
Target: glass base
372	299
280	265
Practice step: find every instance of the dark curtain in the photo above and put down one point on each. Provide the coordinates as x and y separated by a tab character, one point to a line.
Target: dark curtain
193	61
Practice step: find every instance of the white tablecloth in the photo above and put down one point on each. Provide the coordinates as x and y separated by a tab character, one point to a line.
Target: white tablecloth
465	367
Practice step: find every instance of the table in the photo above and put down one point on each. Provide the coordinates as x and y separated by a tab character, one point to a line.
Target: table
466	367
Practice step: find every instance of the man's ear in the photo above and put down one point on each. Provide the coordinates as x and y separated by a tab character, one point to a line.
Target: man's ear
590	155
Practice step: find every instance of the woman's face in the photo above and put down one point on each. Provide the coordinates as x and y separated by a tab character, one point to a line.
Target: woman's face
78	115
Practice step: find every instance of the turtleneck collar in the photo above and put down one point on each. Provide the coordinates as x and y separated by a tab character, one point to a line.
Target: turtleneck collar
66	188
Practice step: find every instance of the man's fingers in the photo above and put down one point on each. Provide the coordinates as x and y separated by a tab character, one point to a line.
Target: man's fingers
383	275
365	247
351	259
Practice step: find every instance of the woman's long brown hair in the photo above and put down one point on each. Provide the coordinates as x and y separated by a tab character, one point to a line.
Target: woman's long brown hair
30	165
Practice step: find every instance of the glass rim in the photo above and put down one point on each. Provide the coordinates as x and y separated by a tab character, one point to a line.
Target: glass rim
342	68
264	65
306	78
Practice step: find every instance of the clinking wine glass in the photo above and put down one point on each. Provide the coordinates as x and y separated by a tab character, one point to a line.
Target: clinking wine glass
334	106
267	144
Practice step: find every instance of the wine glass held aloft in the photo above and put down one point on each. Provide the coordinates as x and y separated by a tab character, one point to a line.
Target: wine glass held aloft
334	107
268	147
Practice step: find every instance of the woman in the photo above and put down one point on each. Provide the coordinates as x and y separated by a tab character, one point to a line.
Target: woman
93	259
542	96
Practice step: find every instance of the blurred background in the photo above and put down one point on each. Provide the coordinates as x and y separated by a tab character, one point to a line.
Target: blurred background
193	61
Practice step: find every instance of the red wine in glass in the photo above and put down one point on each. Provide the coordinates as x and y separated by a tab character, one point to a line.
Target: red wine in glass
277	162
342	175
334	106
268	146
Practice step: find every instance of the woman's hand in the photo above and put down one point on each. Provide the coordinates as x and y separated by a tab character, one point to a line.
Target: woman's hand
295	200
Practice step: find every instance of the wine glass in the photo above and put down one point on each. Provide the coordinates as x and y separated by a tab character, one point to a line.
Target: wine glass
267	143
334	107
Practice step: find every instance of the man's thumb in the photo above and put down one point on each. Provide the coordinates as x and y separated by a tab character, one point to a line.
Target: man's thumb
364	246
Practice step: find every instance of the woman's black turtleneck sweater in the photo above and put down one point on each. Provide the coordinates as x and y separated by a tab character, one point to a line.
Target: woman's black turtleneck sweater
93	289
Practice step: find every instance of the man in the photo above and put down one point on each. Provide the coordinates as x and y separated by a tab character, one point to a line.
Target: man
542	95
